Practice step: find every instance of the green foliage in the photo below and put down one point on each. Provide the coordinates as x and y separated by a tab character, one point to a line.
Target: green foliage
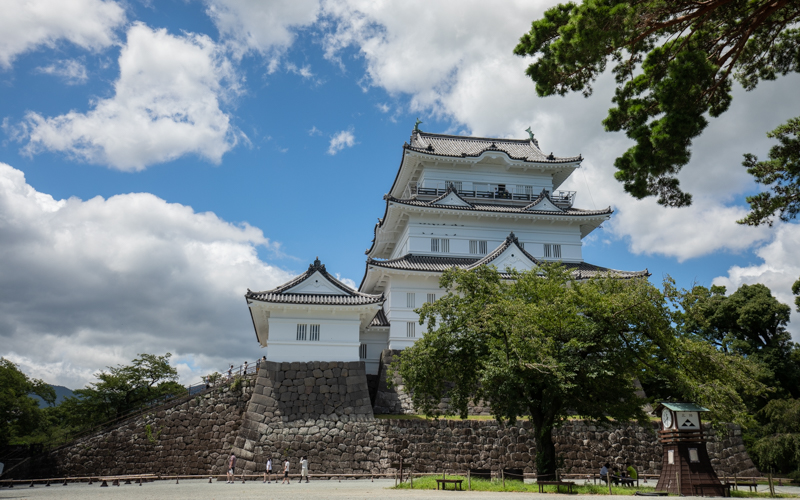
778	447
152	437
20	413
237	383
548	346
781	174
674	64
750	322
122	390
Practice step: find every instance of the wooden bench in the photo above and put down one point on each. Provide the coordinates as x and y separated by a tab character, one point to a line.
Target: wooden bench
751	486
444	482
557	484
714	488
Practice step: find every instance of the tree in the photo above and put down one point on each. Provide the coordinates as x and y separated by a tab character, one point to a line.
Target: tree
750	322
123	389
20	413
544	346
778	447
781	172
674	64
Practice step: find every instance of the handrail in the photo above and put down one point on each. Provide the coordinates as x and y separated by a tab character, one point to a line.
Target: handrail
563	199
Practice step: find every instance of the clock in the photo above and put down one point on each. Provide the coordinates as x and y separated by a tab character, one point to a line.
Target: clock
666	418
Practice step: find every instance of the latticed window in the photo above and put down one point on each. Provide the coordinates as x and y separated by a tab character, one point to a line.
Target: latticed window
411	300
314	333
431	298
362	351
411	329
477	247
552	251
455	184
440	245
301	332
524	190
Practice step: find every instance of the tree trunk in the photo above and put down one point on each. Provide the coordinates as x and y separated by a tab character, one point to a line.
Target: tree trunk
545	450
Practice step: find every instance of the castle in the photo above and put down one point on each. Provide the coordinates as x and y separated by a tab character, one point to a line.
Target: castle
456	201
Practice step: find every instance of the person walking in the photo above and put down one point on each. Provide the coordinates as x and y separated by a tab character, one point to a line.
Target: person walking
303	469
244	368
286	472
268	472
230	373
231	467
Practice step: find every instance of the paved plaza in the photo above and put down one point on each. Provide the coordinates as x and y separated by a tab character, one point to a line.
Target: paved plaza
201	490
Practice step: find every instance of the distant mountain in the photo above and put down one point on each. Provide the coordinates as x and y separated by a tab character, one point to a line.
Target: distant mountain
61	393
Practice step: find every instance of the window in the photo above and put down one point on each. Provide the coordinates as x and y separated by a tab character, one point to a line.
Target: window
304	332
410	300
552	251
477	247
528	190
411	330
431	298
362	351
441	245
455	184
522	245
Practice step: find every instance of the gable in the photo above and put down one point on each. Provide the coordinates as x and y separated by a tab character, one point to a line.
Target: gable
513	257
451	199
544	205
316	284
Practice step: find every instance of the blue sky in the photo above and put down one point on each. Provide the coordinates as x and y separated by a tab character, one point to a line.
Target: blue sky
231	142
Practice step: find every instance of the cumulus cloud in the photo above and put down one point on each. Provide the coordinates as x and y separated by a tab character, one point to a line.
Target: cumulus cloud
72	71
27	25
92	283
166	104
266	28
778	271
341	140
453	60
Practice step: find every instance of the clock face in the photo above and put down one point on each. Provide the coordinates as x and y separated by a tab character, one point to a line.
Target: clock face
666	418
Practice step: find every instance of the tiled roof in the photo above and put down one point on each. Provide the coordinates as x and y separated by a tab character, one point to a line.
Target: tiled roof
380	319
463	146
409	262
486	207
350	298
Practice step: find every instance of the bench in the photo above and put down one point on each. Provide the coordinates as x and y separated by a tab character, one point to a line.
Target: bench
751	486
714	488
444	482
557	484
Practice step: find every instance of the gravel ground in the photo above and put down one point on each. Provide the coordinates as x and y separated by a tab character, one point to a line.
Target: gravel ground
200	490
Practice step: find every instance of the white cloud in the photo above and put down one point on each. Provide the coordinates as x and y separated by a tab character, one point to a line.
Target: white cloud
341	140
779	270
314	131
304	71
166	104
383	107
86	284
453	60
72	71
267	28
28	24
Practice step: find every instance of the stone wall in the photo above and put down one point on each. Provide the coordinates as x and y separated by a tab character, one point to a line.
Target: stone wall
194	436
323	411
320	410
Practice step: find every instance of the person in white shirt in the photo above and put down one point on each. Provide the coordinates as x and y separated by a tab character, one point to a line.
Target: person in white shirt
286	472
268	472
303	469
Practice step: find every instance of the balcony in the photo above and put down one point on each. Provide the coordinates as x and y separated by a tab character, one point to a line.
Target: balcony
487	191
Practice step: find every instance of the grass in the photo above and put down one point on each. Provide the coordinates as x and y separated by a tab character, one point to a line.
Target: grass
429	483
478	484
